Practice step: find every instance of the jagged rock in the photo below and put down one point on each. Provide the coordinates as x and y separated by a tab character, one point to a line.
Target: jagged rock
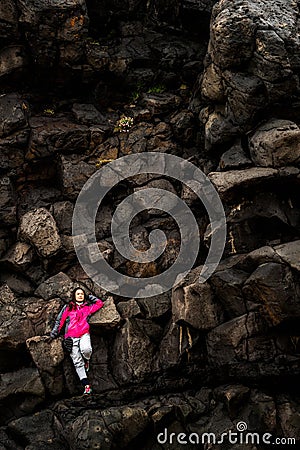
183	126
276	144
129	309
107	318
39	197
74	174
12	116
6	442
19	257
40	431
61	31
260	256
11	152
12	58
194	304
132	353
50	136
47	355
253	57
161	103
156	306
5	240
87	114
100	372
289	417
272	285
25	381
62	213
107	427
60	285
20	392
24	318
233	397
18	284
289	253
234	158
39	228
237	179
9	19
8	209
240	339
15	327
228	287
169	349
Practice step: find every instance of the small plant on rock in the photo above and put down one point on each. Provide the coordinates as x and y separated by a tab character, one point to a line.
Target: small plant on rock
124	124
158	89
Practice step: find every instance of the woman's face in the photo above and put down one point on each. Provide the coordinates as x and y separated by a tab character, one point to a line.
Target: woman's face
79	295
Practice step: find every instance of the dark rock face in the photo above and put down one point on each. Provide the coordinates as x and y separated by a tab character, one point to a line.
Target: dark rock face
215	83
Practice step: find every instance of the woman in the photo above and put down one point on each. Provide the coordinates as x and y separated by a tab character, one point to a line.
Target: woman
75	317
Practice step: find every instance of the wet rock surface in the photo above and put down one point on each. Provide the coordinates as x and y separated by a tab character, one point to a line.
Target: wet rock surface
213	82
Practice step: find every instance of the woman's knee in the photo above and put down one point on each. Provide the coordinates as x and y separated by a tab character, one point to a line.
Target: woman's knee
86	352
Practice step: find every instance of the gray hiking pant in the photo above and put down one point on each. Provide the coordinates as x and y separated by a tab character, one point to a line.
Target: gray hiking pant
81	350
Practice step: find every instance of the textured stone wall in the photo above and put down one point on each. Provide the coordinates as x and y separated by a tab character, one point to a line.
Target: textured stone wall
213	82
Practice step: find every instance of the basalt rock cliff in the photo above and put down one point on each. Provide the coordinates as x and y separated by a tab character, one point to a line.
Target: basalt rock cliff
216	83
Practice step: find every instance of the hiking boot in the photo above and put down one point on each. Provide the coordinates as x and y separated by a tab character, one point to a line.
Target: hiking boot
87	390
87	365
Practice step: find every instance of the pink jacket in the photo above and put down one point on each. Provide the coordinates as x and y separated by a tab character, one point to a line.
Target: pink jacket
76	320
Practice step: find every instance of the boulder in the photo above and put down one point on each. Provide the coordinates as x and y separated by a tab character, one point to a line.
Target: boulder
104	427
251	63
194	304
63	213
12	149
60	285
129	309
276	144
289	253
132	353
15	327
240	339
74	173
87	114
55	30
234	158
12	115
47	355
228	285
100	369
168	355
272	285
288	416
12	58
52	135
39	229
40	431
8	209
9	19
19	257
238	179
20	393
24	318
157	306
107	318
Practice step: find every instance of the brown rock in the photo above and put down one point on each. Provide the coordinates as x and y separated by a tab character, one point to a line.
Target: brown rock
50	136
39	228
107	318
276	144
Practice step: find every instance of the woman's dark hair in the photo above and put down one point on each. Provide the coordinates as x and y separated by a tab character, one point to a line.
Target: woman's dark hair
72	302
